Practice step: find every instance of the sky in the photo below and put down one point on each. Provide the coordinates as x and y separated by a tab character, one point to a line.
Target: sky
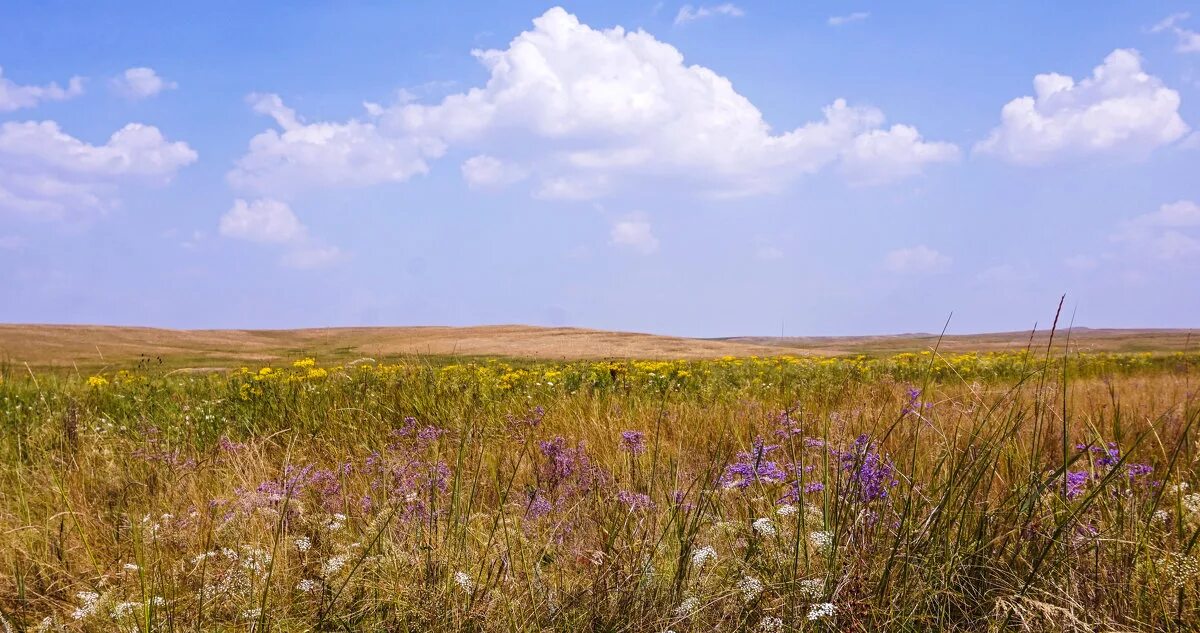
723	169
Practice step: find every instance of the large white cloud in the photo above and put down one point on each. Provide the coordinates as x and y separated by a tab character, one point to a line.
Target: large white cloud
14	96
1120	108
47	172
349	154
584	111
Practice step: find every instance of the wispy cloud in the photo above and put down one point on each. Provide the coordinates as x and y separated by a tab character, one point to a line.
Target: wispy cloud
857	16
1187	40
688	13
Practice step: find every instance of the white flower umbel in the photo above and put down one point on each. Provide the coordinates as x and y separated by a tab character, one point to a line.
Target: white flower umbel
703	555
764	526
812	588
770	624
822	611
463	579
750	587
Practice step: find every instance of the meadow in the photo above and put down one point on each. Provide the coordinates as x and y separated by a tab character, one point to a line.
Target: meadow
1026	490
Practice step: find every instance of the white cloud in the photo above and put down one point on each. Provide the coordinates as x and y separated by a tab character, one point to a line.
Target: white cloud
1120	108
47	172
140	83
857	16
1186	40
304	156
270	221
634	233
487	171
918	259
602	107
14	96
1172	232
585	112
688	13
881	156
263	220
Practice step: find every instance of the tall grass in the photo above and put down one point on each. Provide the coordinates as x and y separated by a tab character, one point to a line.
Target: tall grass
620	497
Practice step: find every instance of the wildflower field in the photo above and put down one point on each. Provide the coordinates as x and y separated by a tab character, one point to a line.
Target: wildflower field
916	492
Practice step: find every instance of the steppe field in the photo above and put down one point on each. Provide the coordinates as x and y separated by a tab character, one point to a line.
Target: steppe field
550	480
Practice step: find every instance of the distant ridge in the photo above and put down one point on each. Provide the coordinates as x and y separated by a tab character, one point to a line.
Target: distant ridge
89	346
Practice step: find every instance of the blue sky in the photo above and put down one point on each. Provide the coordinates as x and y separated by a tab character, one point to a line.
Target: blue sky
708	169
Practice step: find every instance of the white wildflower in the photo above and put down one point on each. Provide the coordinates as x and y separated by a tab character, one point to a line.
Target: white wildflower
1191	502
463	579
89	600
336	523
129	567
750	587
812	588
334	564
303	543
703	555
123	609
689	606
45	625
308	585
764	526
786	510
823	540
1162	516
821	611
252	614
770	625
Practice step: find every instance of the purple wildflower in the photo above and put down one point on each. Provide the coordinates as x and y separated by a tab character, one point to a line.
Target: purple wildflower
633	442
870	472
751	467
1076	482
635	500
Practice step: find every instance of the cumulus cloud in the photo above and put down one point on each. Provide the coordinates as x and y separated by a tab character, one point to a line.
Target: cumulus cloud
1171	232
635	234
583	112
487	171
918	259
270	221
688	13
263	220
140	83
14	96
1119	108
1186	40
304	156
49	173
857	16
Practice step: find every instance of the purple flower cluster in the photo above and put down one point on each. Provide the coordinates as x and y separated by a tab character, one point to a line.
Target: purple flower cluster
633	442
913	404
871	474
635	501
566	466
752	467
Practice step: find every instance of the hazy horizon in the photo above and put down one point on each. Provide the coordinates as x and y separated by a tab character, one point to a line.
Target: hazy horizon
705	170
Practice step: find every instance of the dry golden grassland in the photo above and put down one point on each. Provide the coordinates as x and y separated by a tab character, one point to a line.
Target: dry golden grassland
918	492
